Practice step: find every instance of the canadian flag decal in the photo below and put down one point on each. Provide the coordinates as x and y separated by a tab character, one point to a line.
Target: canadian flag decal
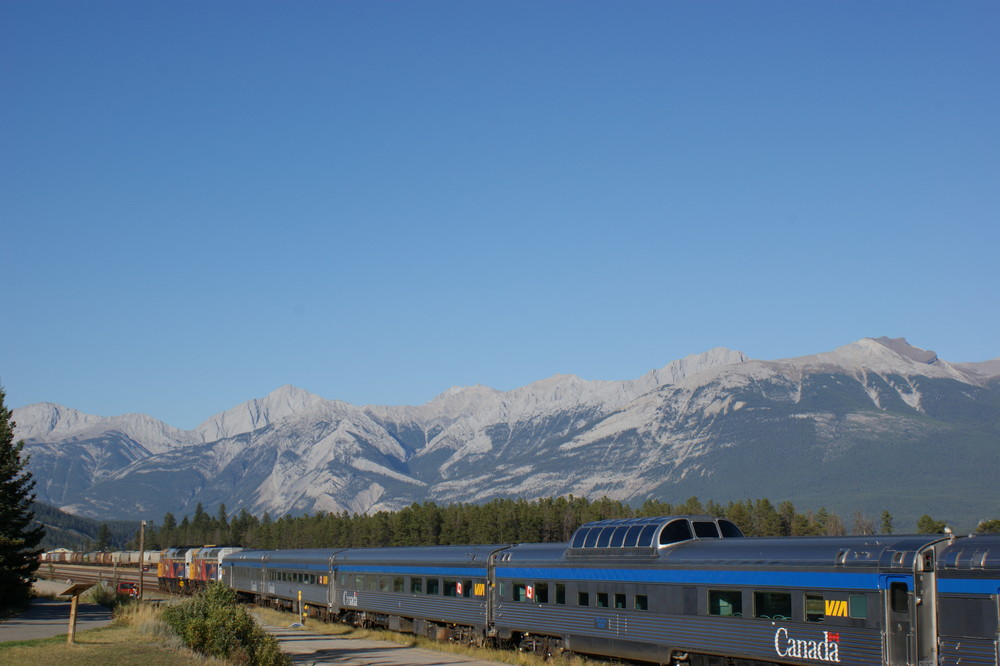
530	591
458	588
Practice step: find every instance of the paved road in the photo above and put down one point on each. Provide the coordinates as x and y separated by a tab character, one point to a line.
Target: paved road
48	618
306	647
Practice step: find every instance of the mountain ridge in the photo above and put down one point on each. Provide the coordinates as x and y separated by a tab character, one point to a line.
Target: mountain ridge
676	429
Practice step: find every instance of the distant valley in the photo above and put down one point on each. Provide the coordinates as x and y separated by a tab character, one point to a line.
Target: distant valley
875	424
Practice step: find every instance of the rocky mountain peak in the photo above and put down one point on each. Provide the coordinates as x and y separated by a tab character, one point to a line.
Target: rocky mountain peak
48	422
258	413
904	348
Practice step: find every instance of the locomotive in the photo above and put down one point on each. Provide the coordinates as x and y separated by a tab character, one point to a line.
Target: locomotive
187	569
680	590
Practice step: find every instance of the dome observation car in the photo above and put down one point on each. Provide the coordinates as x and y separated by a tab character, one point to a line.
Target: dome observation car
647	534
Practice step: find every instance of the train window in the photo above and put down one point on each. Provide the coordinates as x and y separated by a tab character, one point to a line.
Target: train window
371	582
343	580
772	605
677	530
728	603
561	594
542	593
466	588
605	538
397	584
520	591
858	606
359	581
592	537
619	600
602	599
899	598
618	538
385	583
631	536
641	602
815	608
433	586
706	530
416	585
968	617
579	537
729	529
450	588
645	539
582	598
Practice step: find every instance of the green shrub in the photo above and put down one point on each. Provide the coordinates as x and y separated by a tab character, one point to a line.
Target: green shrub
213	623
101	594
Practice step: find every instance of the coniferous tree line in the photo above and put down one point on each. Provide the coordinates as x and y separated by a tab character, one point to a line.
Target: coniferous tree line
552	519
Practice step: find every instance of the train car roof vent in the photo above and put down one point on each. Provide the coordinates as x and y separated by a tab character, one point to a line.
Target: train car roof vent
644	536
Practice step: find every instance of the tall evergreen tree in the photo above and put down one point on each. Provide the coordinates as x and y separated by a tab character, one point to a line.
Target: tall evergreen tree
103	538
886	522
18	539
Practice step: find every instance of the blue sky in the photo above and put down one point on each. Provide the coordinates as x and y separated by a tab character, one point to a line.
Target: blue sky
375	201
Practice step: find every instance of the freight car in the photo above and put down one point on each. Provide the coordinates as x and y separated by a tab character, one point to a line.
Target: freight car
102	558
683	590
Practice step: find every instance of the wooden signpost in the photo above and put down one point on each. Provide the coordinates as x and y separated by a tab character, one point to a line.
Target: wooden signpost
74	590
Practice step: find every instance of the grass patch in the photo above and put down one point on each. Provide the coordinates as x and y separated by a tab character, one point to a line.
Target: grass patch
505	656
136	637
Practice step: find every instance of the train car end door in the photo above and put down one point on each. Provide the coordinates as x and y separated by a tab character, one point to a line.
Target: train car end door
897	602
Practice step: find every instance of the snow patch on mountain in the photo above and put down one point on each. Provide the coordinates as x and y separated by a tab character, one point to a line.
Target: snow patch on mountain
364	465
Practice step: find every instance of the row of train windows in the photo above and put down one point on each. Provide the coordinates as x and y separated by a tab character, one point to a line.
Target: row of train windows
729	603
541	593
778	605
299	578
448	587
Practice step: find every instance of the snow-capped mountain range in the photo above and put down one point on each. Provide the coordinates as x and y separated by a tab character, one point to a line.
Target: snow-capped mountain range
875	424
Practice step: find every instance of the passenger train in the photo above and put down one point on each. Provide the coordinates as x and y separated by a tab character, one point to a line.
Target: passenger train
680	590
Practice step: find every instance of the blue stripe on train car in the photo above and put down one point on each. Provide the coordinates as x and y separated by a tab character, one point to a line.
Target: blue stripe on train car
797	579
423	571
968	585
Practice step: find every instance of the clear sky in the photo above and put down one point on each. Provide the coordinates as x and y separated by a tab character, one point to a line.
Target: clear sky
375	201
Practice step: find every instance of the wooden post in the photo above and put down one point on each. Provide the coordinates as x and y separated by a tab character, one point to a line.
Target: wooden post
74	591
72	619
142	553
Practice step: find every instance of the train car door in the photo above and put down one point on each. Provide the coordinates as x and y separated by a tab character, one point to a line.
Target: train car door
897	603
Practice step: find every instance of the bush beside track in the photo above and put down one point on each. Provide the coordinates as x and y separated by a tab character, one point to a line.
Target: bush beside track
213	623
